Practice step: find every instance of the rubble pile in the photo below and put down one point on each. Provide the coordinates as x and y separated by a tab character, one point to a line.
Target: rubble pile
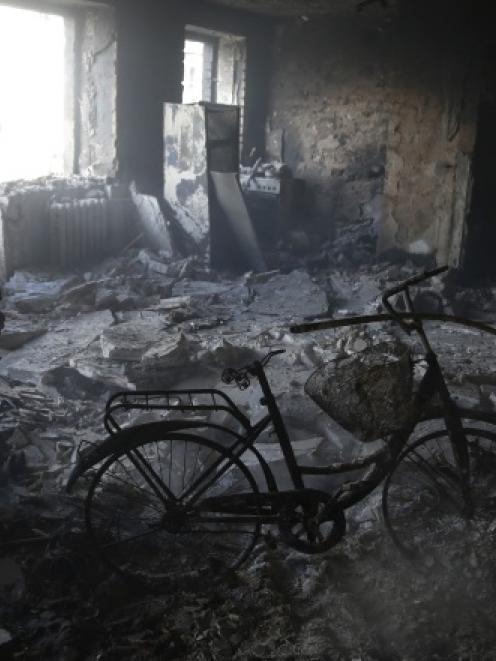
139	321
358	601
59	187
355	244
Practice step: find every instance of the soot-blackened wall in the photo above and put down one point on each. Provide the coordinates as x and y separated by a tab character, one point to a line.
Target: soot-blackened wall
150	71
378	110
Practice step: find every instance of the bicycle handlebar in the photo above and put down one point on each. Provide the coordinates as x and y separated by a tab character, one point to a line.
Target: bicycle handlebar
426	275
404	288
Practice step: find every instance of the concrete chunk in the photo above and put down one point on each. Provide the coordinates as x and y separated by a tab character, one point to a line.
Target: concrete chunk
34	362
291	295
131	340
90	364
17	333
153	222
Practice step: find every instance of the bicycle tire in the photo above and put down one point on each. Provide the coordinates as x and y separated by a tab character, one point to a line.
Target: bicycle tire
163	545
422	501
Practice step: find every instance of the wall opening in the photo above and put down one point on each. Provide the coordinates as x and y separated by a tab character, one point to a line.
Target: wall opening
199	79
214	68
32	99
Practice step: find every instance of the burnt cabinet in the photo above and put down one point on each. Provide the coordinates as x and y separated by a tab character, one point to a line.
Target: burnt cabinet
201	184
198	138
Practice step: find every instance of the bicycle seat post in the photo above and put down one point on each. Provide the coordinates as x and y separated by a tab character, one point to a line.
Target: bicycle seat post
270	402
417	325
414	324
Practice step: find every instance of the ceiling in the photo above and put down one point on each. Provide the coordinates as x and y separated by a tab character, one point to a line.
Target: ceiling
291	7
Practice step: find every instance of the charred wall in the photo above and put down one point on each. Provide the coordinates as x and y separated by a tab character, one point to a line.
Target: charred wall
150	72
327	95
95	73
378	110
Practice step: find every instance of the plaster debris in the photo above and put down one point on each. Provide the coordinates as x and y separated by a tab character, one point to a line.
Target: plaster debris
153	222
178	327
289	295
34	362
130	341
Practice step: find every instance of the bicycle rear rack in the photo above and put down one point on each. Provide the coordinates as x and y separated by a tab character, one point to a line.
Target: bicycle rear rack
185	401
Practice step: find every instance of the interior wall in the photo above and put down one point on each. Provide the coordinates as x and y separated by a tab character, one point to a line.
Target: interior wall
327	95
377	107
150	72
431	138
96	80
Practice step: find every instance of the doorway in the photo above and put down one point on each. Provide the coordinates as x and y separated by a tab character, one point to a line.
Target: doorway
479	264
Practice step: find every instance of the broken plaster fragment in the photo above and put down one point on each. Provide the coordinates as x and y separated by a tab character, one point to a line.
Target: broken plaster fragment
130	341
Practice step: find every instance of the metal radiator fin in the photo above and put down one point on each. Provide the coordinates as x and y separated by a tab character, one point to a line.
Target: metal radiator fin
79	231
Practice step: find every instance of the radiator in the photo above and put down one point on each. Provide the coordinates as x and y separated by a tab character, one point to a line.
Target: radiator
79	231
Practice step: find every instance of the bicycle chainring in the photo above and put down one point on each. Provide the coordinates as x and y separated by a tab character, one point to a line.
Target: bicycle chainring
313	524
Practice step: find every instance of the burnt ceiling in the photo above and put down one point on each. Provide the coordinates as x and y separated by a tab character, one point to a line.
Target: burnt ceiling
297	7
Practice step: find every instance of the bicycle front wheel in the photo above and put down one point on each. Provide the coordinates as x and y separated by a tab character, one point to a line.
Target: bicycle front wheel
148	512
425	506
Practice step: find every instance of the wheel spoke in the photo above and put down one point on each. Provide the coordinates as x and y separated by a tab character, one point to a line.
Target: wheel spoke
131	539
206	480
158	486
424	498
142	492
129	502
435	477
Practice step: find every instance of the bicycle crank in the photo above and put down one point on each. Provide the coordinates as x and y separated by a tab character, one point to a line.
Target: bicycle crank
311	522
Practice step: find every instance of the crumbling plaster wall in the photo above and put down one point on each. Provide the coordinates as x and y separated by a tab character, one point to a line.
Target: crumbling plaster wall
328	96
435	93
96	154
232	67
378	110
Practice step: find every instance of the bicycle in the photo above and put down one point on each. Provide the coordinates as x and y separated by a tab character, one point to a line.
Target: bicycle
168	502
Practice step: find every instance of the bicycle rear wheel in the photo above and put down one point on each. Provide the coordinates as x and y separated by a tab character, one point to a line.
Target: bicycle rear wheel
147	509
423	503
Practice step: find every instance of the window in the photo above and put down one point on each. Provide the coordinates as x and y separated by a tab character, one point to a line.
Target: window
198	70
32	91
214	67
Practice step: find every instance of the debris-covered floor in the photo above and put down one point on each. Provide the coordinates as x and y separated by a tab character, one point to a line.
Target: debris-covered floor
135	321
